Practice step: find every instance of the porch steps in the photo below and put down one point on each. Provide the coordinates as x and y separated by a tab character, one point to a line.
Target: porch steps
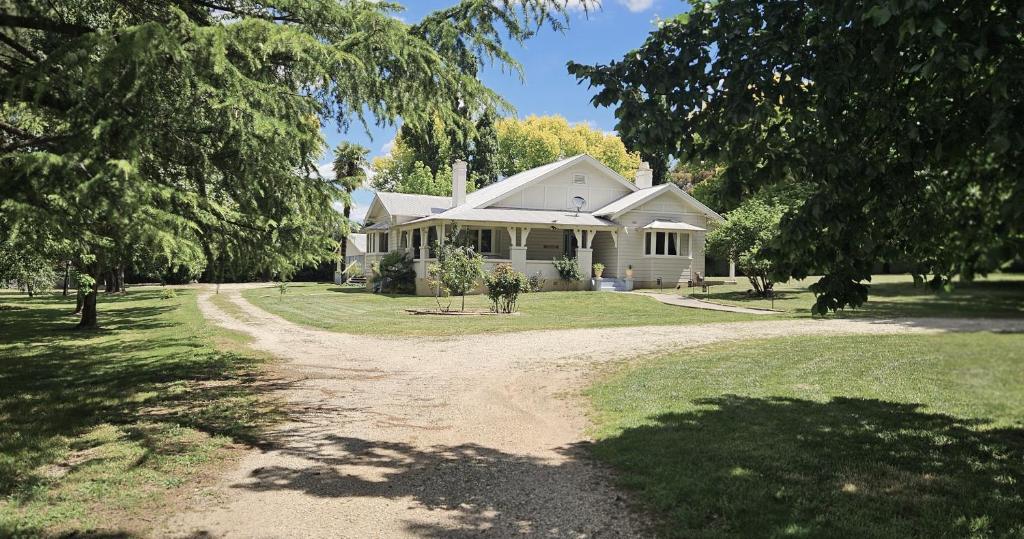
612	285
357	280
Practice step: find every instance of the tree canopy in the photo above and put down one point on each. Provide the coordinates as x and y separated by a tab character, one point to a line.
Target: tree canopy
191	130
517	145
901	117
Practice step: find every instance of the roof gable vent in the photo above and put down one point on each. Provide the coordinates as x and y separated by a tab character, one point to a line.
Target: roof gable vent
579	179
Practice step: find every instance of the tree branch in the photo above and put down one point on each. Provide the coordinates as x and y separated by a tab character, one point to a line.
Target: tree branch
18	47
47	25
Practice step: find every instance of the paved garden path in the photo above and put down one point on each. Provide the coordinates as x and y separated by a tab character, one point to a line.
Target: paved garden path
693	303
453	437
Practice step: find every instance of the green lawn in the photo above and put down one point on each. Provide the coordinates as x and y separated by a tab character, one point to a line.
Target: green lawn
104	430
1000	295
353	310
867	436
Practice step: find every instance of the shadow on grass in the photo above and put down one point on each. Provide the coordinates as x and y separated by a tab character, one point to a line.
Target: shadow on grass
146	371
361	290
845	468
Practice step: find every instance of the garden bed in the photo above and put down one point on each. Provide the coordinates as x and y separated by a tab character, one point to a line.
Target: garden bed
468	312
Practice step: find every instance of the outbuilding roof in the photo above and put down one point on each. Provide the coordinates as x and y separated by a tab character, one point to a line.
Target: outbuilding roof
358	241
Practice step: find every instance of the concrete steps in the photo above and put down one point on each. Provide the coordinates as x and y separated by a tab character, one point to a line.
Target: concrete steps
611	285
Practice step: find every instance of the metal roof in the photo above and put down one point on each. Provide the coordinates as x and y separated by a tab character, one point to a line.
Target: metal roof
671	225
531	217
413	205
490	193
633	200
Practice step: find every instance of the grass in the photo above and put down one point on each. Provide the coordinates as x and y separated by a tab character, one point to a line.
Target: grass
353	310
1000	295
102	431
866	436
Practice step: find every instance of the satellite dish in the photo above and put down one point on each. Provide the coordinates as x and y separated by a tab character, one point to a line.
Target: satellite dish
578	202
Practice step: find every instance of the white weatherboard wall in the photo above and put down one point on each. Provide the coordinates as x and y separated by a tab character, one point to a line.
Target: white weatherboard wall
556	192
647	269
607	253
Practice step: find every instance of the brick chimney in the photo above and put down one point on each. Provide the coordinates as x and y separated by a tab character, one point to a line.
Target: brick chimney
459	183
644	176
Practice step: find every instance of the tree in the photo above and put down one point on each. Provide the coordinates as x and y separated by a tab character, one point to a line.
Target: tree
518	145
897	115
539	140
192	129
457	271
747	231
349	172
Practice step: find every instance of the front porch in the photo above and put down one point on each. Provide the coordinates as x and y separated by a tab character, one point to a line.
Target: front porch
528	248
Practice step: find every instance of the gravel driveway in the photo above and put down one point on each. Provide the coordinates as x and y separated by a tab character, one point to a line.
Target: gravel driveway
454	437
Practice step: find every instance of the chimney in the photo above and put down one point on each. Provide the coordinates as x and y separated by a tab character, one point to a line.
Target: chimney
459	183
644	176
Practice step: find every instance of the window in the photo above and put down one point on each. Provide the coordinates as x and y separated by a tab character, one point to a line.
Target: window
383	245
371	243
486	244
431	240
482	241
666	244
416	242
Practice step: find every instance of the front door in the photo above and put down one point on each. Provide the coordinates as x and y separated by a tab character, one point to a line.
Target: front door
569	244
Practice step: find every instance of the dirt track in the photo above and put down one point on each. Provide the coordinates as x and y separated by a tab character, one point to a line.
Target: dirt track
454	437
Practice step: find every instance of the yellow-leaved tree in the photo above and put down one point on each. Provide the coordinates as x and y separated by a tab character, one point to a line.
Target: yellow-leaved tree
538	140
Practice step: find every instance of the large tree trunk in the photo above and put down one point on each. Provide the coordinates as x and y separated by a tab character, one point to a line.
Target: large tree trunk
67	276
79	300
110	283
88	320
120	279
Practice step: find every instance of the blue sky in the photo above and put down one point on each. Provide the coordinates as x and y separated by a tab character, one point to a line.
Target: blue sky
602	35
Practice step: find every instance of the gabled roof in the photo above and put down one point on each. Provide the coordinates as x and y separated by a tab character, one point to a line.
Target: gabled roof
632	200
410	205
517	216
500	189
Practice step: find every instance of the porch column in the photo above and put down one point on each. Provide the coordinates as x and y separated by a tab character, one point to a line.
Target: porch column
585	259
517	247
421	266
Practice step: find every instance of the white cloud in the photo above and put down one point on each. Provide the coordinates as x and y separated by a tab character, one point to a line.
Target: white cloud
358	212
326	170
636	6
583	5
387	147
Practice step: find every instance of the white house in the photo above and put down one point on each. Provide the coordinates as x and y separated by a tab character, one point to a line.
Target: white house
576	207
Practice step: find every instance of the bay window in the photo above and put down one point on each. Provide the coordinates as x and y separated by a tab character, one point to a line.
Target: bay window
666	244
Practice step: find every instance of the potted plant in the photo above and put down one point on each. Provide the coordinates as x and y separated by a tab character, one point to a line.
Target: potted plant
629	271
598	269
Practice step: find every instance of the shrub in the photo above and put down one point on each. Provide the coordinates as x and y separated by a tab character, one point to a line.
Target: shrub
504	285
456	272
537	282
167	293
598	269
395	274
568	269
